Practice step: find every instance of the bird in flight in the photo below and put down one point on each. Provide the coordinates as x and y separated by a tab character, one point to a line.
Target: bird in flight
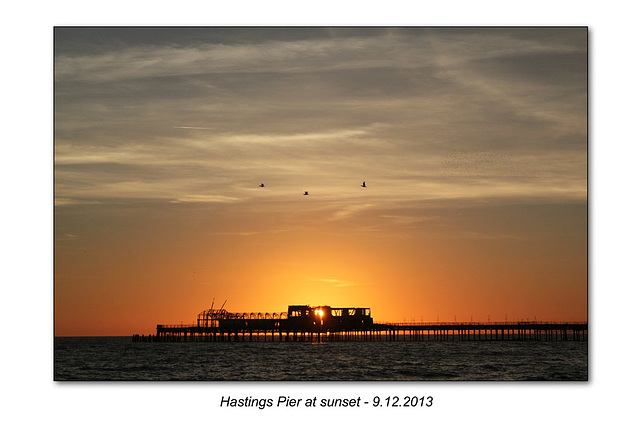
261	185
363	184
306	193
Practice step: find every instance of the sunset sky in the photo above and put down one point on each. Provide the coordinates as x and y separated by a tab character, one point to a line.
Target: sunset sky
472	143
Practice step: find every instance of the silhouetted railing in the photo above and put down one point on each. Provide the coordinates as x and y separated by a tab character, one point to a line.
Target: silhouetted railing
479	323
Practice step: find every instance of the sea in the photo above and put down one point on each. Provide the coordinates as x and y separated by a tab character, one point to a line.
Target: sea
120	359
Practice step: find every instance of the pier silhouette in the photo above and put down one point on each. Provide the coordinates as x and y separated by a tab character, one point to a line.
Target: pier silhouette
325	323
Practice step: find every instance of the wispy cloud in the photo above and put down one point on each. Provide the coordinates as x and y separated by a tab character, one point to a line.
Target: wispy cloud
424	114
347	211
405	219
204	199
61	202
193	128
415	49
337	283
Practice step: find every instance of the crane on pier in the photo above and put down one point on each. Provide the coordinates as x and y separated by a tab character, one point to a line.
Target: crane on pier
207	317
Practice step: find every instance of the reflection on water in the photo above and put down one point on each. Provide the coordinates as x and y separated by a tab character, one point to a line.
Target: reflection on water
114	358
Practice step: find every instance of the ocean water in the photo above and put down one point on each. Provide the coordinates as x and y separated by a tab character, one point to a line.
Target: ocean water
118	359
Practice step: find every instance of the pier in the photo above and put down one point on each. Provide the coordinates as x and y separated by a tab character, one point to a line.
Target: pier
324	323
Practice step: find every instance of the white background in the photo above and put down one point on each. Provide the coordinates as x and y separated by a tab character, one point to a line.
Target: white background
29	394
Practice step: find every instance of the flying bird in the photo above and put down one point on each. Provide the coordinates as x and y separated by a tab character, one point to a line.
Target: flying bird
306	193
261	185
363	184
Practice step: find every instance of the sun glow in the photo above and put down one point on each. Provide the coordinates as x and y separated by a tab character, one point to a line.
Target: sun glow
319	312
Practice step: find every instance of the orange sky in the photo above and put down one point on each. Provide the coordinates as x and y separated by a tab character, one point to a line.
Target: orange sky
472	143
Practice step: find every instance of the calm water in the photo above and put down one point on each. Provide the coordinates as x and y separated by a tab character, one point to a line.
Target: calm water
115	358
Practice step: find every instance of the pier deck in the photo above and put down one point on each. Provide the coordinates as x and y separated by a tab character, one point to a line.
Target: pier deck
440	331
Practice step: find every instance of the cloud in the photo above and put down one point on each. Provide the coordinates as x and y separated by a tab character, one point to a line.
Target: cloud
337	283
193	128
62	202
405	49
422	114
405	219
205	199
235	233
348	211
